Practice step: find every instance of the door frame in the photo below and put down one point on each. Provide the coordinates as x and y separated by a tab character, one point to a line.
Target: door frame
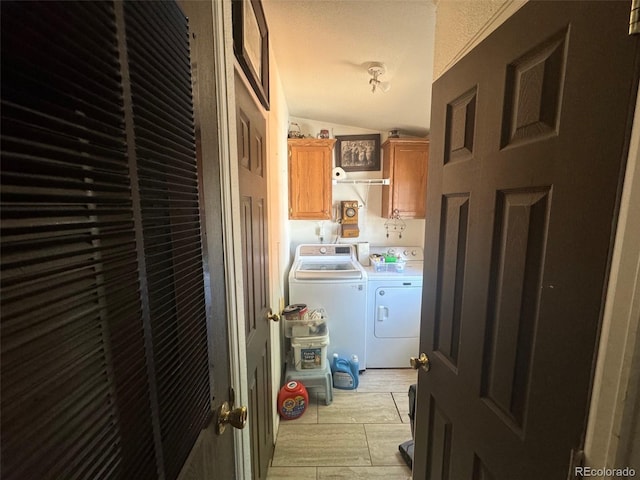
226	69
615	399
224	60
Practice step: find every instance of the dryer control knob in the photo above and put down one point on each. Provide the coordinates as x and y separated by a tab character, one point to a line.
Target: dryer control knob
406	253
391	251
323	250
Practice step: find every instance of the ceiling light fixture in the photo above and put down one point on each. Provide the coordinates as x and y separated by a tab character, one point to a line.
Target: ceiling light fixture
375	70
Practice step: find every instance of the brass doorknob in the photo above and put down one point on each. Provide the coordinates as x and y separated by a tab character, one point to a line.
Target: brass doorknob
422	361
273	316
236	417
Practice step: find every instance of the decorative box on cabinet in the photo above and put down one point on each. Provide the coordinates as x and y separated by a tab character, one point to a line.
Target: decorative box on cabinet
405	162
310	163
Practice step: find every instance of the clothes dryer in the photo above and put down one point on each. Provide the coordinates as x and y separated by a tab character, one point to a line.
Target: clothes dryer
394	307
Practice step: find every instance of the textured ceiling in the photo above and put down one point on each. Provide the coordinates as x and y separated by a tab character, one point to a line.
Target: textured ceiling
323	49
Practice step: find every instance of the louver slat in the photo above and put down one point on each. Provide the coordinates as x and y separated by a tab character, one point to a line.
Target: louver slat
158	46
71	321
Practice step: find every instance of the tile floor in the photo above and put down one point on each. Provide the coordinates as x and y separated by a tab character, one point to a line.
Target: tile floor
356	437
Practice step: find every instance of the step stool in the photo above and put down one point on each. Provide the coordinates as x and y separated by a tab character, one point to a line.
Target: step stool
313	378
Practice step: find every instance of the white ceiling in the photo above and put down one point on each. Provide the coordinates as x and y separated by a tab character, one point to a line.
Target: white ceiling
323	48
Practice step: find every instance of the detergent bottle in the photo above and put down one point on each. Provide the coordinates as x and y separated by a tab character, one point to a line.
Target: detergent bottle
293	399
343	373
355	369
334	360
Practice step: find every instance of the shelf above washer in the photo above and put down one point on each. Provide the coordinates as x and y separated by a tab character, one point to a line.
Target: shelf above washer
363	181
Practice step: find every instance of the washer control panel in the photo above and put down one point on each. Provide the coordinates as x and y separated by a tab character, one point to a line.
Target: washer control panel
407	253
325	250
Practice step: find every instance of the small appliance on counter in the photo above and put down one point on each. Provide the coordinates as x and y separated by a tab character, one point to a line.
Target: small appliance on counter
363	253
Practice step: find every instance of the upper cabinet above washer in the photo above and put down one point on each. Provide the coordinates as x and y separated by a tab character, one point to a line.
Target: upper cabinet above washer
310	178
405	162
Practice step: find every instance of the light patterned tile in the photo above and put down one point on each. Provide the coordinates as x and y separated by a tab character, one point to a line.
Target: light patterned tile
402	404
321	445
359	408
292	473
364	473
383	443
387	380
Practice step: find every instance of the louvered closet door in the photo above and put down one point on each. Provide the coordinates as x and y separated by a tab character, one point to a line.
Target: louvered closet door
71	320
168	183
104	353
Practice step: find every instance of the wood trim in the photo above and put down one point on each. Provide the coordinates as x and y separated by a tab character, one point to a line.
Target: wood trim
312	142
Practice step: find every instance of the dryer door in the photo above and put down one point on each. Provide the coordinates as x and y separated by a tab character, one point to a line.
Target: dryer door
397	311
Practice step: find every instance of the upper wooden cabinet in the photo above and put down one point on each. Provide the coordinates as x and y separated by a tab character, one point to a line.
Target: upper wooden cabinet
405	162
310	163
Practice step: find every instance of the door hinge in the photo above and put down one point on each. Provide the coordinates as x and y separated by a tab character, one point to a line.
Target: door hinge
634	18
576	461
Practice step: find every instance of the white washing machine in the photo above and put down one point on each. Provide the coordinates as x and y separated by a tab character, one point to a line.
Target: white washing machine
393	314
329	277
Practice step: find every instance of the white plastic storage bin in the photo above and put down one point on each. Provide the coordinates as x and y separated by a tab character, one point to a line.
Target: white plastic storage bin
380	265
310	352
305	328
307	324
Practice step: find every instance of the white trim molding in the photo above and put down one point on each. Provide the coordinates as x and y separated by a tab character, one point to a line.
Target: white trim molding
224	58
615	404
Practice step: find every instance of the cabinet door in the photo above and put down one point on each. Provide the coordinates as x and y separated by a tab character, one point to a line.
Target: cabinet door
409	176
309	182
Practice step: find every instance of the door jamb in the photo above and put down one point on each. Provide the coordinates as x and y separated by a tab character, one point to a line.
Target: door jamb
224	60
614	401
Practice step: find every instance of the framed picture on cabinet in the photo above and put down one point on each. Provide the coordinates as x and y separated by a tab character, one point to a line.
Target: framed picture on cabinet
356	153
251	45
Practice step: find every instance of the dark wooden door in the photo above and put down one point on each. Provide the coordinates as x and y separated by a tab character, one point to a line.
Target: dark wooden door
251	128
112	312
529	136
213	456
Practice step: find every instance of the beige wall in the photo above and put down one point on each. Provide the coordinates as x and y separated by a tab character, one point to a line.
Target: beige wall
277	127
462	24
